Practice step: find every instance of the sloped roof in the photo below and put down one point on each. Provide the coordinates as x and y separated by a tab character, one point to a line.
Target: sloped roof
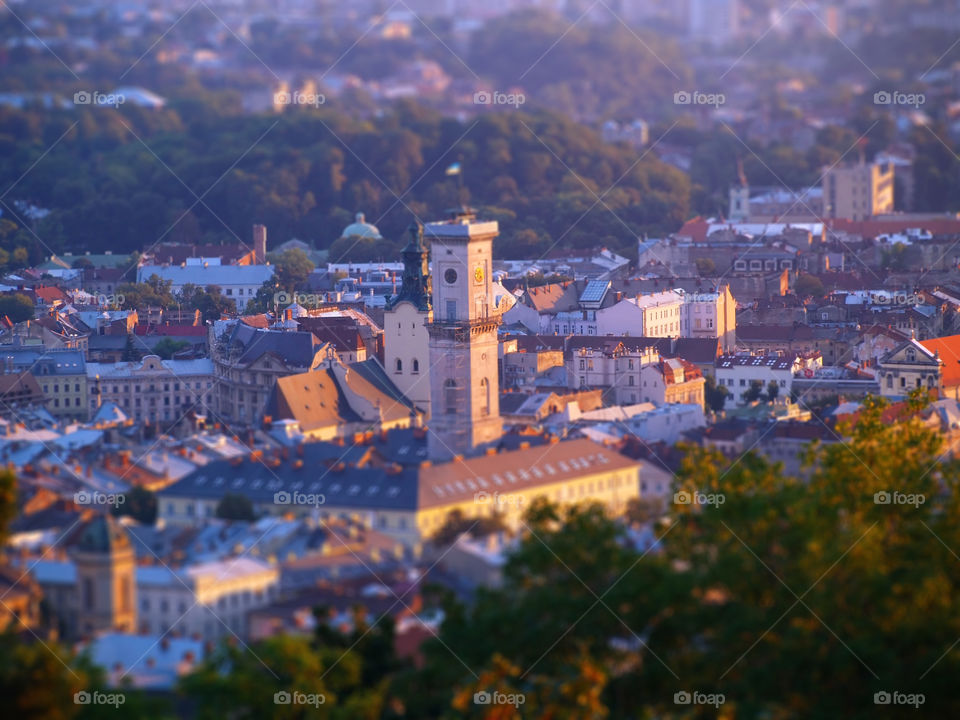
296	348
511	471
109	412
342	333
949	349
313	399
554	297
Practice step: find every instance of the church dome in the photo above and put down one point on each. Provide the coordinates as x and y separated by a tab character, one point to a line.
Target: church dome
361	228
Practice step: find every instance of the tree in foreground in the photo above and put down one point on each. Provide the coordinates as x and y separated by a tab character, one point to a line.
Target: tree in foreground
787	597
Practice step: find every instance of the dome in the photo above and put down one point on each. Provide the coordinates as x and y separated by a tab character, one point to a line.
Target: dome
361	228
103	534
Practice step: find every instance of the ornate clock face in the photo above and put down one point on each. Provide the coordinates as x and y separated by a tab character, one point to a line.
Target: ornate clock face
478	274
450	276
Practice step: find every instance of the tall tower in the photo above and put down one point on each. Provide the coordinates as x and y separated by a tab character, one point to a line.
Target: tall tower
739	197
406	343
106	578
464	384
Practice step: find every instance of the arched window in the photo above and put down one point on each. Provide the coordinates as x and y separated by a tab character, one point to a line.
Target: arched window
416	365
911	355
399	365
450	396
485	397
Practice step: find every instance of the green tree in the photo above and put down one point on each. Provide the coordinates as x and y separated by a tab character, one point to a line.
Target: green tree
233	506
754	391
18	307
456	523
168	347
794	597
773	390
705	266
714	395
152	293
210	301
809	286
141	505
292	268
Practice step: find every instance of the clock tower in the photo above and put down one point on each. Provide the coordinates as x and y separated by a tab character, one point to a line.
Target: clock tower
464	381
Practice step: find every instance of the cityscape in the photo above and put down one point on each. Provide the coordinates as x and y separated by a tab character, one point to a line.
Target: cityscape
448	359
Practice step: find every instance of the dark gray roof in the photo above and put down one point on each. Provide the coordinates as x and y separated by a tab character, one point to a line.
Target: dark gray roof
295	348
324	469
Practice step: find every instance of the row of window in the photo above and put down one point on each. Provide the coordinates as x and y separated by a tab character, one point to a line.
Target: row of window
730	382
66	388
415	366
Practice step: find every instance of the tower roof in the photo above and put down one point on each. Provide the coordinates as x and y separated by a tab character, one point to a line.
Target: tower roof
103	534
415	288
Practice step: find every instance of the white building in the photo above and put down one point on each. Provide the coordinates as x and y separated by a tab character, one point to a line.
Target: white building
738	373
240	283
152	390
654	315
211	599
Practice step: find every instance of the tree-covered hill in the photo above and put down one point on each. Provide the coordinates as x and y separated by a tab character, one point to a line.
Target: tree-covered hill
122	179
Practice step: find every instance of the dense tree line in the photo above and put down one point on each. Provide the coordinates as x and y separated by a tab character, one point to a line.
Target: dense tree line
125	179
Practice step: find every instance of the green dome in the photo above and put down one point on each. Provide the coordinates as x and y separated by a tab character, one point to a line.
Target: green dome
361	228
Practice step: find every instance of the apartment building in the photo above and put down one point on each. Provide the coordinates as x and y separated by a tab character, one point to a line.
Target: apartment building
152	390
858	191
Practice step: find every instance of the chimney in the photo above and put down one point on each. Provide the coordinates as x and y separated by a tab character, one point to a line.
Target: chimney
259	244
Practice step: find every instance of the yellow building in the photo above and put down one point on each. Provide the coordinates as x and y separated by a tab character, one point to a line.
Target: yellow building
858	192
363	482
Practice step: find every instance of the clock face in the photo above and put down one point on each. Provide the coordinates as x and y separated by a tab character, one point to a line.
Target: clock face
450	276
478	274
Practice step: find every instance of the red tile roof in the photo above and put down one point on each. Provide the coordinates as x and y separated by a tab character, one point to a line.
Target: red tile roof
949	349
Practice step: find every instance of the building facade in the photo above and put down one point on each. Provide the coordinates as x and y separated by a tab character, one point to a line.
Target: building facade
61	374
858	191
247	363
406	341
153	390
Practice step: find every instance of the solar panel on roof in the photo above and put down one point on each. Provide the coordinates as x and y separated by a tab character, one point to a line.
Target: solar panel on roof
594	291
